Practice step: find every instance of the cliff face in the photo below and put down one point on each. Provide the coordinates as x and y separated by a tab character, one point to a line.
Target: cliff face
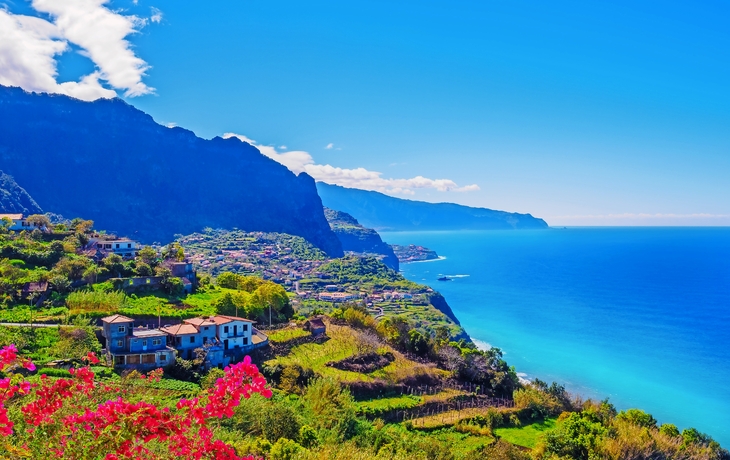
107	161
382	212
356	238
14	198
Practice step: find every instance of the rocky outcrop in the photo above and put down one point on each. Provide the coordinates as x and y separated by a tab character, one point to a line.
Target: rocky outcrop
356	238
107	161
14	199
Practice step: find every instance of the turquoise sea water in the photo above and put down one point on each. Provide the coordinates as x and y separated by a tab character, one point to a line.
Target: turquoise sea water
638	315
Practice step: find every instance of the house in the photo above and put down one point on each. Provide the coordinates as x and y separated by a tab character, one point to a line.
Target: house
185	338
315	326
127	346
337	296
234	332
212	347
38	289
186	273
121	246
18	222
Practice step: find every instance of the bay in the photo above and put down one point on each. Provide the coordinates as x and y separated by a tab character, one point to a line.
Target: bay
637	315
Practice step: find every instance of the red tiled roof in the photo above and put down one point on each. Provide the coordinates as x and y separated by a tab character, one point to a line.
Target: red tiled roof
199	322
223	319
180	329
117	319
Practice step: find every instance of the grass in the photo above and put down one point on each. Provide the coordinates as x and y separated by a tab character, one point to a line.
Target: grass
526	436
285	335
380	406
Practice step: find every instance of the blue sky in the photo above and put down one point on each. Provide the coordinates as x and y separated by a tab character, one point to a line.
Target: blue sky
584	113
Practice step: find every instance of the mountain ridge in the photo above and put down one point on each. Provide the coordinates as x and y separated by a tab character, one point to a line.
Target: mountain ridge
385	213
110	162
14	199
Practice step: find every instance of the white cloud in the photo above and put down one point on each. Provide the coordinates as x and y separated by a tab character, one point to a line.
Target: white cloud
156	15
329	146
300	161
29	46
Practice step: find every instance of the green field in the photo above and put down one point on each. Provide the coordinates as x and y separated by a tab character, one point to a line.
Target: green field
526	436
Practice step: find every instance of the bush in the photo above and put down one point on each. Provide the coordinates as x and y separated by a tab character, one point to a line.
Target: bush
278	422
285	449
307	436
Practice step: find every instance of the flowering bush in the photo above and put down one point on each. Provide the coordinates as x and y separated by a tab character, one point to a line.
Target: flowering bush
79	417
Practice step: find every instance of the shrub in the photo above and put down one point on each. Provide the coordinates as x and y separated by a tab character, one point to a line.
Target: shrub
285	449
95	302
307	436
278	422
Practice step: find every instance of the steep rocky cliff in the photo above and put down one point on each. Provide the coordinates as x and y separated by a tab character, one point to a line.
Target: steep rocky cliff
383	212
356	238
107	161
14	199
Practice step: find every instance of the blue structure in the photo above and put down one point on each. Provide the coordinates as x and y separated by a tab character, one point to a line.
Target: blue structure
127	346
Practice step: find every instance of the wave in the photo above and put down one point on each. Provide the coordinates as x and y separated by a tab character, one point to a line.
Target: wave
481	344
454	276
424	261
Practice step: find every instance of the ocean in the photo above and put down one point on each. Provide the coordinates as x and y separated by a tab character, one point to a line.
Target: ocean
637	315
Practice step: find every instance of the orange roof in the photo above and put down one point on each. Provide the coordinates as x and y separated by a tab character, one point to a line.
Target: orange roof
180	329
12	216
117	319
199	322
223	319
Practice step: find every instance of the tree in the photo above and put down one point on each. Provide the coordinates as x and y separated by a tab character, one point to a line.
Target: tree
39	221
82	226
91	273
147	255
115	264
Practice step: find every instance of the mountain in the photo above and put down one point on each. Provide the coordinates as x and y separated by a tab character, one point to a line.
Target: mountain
356	238
383	212
110	162
14	199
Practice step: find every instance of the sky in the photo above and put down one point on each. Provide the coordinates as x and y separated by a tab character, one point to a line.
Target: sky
582	113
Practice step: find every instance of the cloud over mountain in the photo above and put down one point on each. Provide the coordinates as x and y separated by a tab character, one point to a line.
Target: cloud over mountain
300	161
30	45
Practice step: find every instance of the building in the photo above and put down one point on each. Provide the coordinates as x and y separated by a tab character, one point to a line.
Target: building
185	338
315	326
234	332
127	346
337	296
123	247
186	273
19	223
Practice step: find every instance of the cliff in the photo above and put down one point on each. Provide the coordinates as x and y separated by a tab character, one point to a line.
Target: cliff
107	161
356	238
383	212
14	198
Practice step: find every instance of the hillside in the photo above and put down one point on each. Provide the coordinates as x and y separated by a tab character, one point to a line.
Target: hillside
107	161
382	212
356	238
14	198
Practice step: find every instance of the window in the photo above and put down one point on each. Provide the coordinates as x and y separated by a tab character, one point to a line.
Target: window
107	246
205	340
129	245
156	341
245	340
99	246
205	328
144	342
121	329
245	327
163	358
225	329
192	339
120	343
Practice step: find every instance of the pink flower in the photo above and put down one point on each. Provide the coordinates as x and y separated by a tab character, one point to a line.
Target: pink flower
29	365
91	357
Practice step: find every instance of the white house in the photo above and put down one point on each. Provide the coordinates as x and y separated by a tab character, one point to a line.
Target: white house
18	222
121	246
234	332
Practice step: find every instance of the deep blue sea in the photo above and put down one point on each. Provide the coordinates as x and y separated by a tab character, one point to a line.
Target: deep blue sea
638	315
